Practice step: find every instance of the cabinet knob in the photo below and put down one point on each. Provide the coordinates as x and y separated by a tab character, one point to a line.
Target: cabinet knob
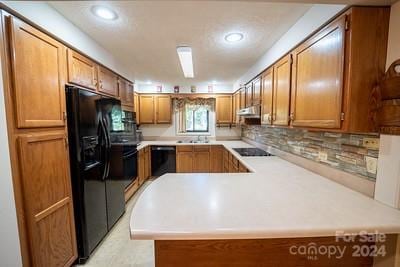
291	116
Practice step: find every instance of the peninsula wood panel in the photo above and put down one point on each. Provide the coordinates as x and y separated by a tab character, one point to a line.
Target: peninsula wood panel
48	198
216	159
318	78
224	109
126	92
141	167
163	109
38	73
255	252
282	78
108	82
81	70
146	109
267	96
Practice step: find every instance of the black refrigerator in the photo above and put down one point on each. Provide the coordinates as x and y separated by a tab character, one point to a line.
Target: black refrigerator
96	160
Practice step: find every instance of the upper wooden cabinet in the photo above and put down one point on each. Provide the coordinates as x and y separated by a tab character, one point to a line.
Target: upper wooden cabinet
155	109
336	69
317	86
236	107
38	74
136	106
81	70
256	91
163	109
46	185
126	92
281	91
223	109
108	82
267	96
242	93
248	95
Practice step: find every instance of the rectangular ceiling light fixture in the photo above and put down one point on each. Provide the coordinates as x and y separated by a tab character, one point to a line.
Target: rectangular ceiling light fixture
185	57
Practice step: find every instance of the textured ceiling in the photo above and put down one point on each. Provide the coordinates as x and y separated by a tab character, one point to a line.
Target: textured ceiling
146	34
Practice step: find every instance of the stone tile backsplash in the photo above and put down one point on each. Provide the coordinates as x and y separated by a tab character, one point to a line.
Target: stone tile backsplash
353	153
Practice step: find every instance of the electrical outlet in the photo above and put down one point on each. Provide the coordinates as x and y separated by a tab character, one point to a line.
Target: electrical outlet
371	164
322	156
371	143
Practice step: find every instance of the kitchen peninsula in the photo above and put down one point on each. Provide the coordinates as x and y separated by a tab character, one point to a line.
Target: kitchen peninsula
256	216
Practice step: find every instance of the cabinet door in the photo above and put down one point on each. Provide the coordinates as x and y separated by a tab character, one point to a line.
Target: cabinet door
136	107
38	74
201	161
242	98
318	78
141	167
146	109
163	109
282	75
147	165
267	96
224	109
236	102
256	91
249	95
46	186
81	70
108	82
216	158
125	92
184	162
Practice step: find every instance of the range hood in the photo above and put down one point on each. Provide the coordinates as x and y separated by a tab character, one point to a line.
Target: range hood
250	112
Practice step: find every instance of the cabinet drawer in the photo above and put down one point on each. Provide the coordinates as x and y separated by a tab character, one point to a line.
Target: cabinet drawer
201	148
184	148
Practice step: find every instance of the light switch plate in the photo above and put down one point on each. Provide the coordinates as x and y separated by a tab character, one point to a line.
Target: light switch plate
371	143
371	164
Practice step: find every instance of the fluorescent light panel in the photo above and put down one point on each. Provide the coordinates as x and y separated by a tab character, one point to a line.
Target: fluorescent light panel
186	59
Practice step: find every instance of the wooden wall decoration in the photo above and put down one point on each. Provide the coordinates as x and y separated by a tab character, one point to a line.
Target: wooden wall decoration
386	101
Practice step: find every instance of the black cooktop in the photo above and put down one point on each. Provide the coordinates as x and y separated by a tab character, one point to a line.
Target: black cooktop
252	152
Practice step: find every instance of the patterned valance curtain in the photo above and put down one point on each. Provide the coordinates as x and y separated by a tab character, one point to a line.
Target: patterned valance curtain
183	104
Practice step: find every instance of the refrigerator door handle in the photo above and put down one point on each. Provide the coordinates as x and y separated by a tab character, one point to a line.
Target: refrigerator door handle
108	151
104	135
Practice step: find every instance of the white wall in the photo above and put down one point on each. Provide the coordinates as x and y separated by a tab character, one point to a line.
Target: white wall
48	18
10	254
388	178
163	132
169	88
308	23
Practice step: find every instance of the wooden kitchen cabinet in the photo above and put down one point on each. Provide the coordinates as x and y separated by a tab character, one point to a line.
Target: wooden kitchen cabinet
236	107
146	109
225	156
38	76
125	88
318	78
267	96
81	70
163	109
216	159
336	69
45	178
108	82
256	83
223	109
184	159
141	167
201	158
242	168
136	106
147	163
281	93
155	109
248	95
242	92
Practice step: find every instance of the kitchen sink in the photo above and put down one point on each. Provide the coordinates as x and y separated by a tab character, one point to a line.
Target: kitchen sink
193	141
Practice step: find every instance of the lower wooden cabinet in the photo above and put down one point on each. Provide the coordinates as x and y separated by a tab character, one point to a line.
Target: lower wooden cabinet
144	165
184	159
46	185
201	158
216	159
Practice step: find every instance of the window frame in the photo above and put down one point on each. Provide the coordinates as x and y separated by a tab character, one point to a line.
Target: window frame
194	125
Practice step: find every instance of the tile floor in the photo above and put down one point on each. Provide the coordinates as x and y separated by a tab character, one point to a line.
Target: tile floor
118	250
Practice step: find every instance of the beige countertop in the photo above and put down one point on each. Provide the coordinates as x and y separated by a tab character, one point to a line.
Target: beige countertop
278	200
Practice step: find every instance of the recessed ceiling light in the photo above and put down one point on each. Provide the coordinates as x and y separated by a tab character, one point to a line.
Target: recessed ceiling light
185	57
104	12
234	37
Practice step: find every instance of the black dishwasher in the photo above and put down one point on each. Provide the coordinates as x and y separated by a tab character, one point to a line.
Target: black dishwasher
163	160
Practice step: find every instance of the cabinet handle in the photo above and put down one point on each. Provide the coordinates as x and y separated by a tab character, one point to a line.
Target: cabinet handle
291	116
64	115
